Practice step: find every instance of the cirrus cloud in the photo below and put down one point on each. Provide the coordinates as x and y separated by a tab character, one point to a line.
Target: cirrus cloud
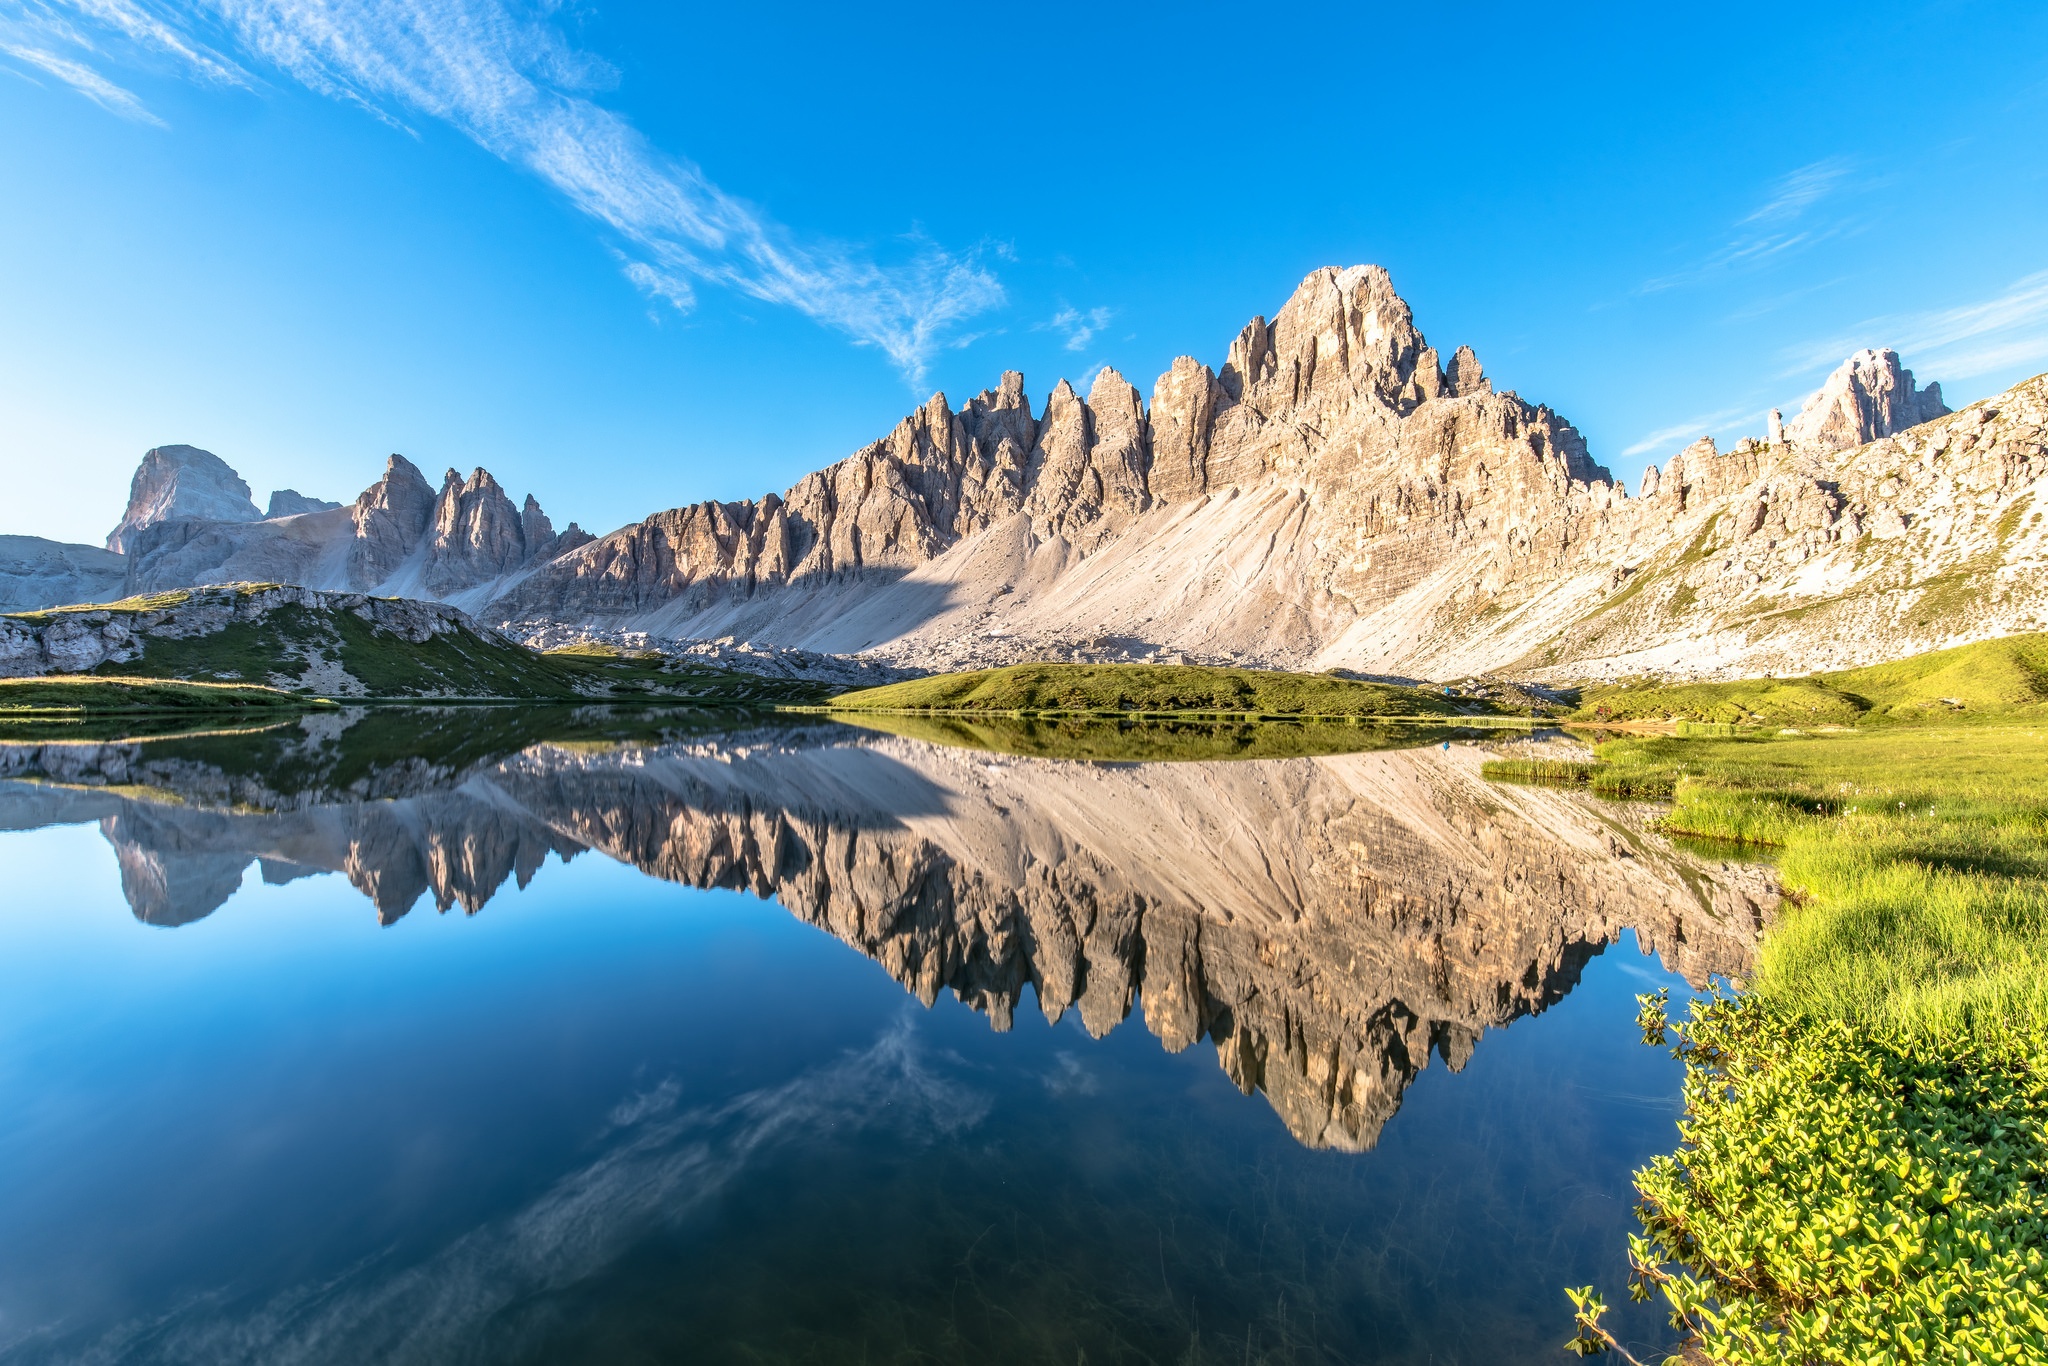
508	80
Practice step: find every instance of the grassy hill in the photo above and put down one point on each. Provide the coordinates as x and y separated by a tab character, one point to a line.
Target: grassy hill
1992	678
1156	689
346	646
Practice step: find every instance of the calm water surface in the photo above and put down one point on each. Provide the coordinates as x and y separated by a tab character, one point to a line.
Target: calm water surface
815	1045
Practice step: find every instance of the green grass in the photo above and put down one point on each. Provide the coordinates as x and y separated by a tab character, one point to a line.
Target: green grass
1995	678
1919	857
1159	689
1565	772
1858	1173
1150	741
81	695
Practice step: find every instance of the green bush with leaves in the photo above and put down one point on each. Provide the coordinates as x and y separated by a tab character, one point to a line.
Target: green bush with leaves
1845	1196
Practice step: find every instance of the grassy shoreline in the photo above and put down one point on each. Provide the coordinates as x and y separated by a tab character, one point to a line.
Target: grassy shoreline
1162	692
1858	1170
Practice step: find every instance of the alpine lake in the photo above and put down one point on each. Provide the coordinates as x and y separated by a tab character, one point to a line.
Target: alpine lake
509	1034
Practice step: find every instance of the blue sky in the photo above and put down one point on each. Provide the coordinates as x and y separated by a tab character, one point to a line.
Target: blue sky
630	256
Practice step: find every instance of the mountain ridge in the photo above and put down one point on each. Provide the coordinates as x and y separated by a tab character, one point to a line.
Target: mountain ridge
1336	495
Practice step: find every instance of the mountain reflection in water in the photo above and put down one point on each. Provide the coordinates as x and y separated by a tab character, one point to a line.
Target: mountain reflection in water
1326	922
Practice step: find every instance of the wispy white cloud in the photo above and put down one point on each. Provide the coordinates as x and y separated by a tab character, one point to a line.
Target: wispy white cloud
1798	190
2005	331
1080	328
1687	431
86	81
653	1169
1771	230
517	88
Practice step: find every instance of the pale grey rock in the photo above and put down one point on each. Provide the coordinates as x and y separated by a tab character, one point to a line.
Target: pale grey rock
292	503
1463	376
391	519
175	482
1775	431
400	537
1868	396
35	573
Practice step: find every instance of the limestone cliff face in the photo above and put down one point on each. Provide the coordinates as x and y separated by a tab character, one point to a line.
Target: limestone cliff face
399	538
1336	494
1333	460
1335	497
36	573
1326	924
1868	396
175	482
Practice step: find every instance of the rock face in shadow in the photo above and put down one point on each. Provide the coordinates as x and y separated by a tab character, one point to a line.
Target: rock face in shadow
35	573
1326	924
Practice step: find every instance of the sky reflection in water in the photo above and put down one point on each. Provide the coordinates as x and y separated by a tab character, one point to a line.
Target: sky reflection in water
611	1117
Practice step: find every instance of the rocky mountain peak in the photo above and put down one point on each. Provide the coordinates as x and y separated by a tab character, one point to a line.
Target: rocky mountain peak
292	503
390	517
1463	375
174	483
1869	395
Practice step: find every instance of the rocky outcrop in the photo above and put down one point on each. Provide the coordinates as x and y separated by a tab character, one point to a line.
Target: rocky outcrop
1868	396
1226	518
35	573
292	503
1325	924
303	642
175	482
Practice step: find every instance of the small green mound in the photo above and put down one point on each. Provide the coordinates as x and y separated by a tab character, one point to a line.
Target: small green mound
1124	740
2007	677
78	695
1160	689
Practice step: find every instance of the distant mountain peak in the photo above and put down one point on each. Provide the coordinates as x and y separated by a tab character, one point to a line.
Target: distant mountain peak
177	482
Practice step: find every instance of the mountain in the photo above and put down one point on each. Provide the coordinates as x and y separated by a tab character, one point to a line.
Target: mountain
1336	495
400	538
181	481
291	503
1868	396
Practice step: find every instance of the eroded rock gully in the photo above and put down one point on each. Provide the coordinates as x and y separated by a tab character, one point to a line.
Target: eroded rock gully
1325	923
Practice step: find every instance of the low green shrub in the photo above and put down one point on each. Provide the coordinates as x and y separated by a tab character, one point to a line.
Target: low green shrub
1844	1195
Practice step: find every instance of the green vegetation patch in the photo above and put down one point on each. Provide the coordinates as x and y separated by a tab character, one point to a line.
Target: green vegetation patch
1564	772
1150	741
84	695
2005	678
280	645
1112	689
1845	1196
1860	1169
